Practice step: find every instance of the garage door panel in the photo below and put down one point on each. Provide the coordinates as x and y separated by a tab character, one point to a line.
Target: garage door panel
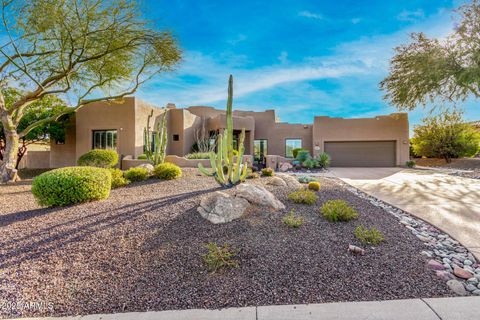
362	153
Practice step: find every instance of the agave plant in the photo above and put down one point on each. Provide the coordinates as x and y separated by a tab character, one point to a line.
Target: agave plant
226	156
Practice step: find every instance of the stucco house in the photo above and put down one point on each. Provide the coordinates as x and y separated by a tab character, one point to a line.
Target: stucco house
379	141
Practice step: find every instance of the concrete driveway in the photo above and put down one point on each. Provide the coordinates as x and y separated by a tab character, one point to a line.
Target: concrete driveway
450	203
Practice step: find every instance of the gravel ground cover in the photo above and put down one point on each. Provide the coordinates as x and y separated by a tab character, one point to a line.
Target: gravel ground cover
141	250
464	167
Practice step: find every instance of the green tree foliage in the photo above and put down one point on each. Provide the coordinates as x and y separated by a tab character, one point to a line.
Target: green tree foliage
88	50
39	110
426	70
446	136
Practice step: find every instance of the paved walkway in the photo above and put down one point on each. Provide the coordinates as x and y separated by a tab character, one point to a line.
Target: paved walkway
448	202
412	309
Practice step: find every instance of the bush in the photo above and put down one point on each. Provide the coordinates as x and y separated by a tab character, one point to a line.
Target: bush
323	160
314	185
167	171
372	236
338	210
198	155
136	174
292	221
295	152
118	180
306	179
71	185
267	172
411	163
310	163
142	157
219	257
304	196
252	174
99	158
303	155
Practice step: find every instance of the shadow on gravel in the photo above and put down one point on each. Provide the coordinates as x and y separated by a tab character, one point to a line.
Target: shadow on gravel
10	218
30	247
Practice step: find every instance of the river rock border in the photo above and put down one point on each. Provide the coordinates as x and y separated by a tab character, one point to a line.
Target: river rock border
447	257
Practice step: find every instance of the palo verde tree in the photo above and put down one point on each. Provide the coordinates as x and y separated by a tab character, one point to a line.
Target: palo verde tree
446	136
427	70
44	108
85	50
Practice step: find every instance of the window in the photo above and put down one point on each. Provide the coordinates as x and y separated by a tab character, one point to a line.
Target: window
176	137
105	139
259	149
291	144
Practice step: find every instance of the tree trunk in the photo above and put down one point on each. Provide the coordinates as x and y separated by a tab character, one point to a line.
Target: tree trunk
7	167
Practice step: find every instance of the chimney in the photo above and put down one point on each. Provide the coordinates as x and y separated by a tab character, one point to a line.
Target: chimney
171	106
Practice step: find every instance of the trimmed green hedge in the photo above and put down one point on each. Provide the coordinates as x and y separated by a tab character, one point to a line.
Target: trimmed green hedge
136	174
99	158
71	185
167	171
118	180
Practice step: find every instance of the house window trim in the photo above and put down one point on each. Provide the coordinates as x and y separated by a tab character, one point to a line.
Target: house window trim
285	145
106	130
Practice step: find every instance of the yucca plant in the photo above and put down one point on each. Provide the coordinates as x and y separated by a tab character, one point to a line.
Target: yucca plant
155	151
236	172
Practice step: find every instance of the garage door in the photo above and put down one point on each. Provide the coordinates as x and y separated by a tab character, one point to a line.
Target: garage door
361	153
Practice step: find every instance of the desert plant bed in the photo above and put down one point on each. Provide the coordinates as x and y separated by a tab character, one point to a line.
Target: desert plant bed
142	249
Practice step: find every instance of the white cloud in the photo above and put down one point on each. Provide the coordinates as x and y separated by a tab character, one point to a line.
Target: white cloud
411	16
311	15
283	57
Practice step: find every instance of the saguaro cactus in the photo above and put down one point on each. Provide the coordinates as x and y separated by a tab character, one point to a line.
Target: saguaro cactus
236	171
158	138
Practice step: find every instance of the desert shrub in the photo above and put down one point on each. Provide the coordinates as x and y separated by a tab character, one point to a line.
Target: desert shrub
338	210
136	174
252	174
219	257
99	158
411	163
198	155
368	236
118	180
267	172
314	185
142	157
304	196
323	160
295	152
310	163
167	171
292	221
71	185
306	179
303	155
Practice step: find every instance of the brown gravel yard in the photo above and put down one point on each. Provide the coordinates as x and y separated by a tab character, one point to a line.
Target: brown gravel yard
141	250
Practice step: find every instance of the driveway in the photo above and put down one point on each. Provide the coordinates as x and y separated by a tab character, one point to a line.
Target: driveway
450	203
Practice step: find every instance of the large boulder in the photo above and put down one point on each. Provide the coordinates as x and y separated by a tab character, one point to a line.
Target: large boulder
276	181
258	195
284	166
220	207
290	180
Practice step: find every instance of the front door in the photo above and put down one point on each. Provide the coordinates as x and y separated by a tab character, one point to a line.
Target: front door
260	152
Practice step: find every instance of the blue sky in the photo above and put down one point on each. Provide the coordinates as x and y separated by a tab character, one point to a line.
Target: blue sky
302	58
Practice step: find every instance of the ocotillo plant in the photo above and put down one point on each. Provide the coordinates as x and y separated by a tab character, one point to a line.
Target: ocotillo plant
155	149
224	157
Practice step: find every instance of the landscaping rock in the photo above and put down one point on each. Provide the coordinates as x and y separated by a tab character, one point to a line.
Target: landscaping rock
457	287
444	275
258	195
276	181
284	166
435	265
462	273
147	166
291	181
222	208
356	250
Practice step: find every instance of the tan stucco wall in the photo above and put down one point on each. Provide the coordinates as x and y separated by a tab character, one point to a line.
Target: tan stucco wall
35	160
64	155
392	127
142	111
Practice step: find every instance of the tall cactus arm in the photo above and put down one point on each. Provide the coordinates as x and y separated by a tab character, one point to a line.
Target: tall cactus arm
204	170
